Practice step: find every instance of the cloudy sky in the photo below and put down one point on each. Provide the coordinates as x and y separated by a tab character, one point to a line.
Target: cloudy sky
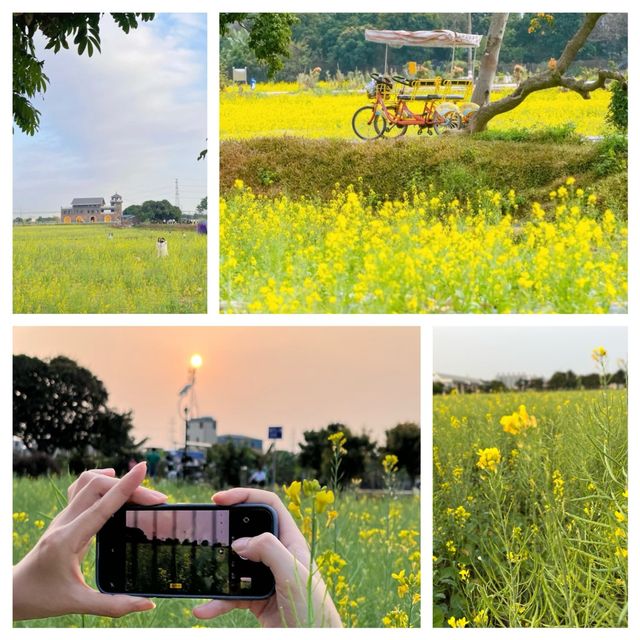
484	352
131	120
299	377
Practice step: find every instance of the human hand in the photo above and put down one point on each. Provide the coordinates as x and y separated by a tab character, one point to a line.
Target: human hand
48	581
288	558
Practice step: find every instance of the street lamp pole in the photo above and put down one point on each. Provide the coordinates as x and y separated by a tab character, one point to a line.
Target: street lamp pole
188	390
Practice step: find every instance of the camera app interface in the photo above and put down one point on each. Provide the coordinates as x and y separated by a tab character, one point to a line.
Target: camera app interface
180	551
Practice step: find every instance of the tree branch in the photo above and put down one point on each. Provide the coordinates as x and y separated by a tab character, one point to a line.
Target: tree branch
553	77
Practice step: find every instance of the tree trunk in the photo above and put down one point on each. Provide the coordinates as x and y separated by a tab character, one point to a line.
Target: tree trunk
553	77
489	62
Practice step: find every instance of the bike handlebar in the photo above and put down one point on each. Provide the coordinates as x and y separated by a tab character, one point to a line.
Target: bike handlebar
380	78
403	80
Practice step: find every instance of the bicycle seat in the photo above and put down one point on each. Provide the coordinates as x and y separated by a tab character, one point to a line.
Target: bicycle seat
428	96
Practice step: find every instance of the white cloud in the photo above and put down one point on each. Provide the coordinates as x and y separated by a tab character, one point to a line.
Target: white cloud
131	119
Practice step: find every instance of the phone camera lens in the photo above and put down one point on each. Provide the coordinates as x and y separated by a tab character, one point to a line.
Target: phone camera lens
246	520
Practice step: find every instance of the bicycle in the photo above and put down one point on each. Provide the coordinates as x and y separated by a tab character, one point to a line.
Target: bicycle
373	121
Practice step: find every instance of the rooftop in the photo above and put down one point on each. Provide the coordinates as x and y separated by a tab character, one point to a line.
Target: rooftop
87	201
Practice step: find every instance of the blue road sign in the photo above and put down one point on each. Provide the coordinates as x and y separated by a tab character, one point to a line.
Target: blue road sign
275	433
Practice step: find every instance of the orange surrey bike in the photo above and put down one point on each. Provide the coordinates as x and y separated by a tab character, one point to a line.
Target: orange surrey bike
377	119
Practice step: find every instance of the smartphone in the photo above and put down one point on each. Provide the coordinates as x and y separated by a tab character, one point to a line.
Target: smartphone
183	551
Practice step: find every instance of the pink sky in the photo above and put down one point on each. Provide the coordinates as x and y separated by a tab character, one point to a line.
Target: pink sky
300	377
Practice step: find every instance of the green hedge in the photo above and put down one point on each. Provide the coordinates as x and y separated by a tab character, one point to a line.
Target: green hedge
456	163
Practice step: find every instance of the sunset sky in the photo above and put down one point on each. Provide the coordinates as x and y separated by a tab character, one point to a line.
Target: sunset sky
251	377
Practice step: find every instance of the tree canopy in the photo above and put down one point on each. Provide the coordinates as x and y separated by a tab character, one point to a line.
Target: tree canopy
154	211
404	441
335	41
268	35
80	31
315	453
58	404
202	206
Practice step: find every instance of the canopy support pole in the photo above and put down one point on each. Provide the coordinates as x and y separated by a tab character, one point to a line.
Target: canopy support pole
473	67
386	51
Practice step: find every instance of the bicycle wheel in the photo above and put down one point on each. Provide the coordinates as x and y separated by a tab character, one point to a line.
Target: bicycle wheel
448	116
391	130
367	125
452	120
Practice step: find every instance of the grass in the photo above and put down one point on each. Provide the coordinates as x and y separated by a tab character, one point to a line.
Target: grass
78	269
373	537
298	167
539	537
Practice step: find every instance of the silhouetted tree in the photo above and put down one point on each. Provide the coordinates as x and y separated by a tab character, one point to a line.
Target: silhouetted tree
58	404
404	441
315	453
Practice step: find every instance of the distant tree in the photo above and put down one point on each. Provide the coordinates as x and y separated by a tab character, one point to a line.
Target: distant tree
620	377
202	205
494	386
58	404
536	384
563	380
226	461
133	210
269	35
154	211
315	453
404	441
557	381
57	29
572	380
287	466
438	388
589	381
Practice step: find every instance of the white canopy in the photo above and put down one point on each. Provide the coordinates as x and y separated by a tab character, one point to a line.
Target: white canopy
436	38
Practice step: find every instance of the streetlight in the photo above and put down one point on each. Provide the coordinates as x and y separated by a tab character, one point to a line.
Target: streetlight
187	401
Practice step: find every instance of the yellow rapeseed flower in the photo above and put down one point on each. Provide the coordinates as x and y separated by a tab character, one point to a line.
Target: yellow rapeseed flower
518	421
293	491
389	463
489	459
599	354
323	499
460	622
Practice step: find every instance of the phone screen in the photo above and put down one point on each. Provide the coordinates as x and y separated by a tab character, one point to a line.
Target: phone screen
183	550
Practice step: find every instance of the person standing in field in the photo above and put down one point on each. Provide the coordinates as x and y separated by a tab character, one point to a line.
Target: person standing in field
153	458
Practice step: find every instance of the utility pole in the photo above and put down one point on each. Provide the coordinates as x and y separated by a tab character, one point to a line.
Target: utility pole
177	196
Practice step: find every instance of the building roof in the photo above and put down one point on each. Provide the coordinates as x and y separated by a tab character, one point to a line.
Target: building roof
87	201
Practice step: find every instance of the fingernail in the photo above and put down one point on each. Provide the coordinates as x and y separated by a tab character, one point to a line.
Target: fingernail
158	494
143	604
240	544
